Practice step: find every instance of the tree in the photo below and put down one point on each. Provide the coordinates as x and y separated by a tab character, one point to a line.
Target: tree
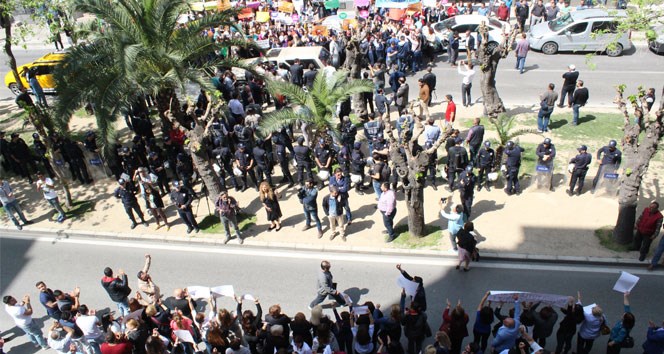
315	107
410	169
504	125
142	49
636	156
489	56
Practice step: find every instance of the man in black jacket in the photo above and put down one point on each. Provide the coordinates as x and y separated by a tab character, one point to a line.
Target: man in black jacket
117	289
569	83
307	196
127	193
297	73
579	99
581	163
182	197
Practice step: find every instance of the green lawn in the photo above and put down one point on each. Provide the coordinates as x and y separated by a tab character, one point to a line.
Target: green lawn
594	130
431	238
211	224
605	236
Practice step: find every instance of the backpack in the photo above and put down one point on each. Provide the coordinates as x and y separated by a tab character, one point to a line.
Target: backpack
459	159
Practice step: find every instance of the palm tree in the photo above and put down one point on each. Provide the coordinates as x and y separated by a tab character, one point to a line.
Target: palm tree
504	125
139	49
315	107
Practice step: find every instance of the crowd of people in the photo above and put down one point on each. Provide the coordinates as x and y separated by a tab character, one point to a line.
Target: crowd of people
190	322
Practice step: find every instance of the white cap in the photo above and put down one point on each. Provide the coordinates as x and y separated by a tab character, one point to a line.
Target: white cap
535	347
572	67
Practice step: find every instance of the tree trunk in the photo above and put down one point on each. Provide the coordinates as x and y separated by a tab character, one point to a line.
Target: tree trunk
202	162
493	105
6	21
166	101
415	207
623	233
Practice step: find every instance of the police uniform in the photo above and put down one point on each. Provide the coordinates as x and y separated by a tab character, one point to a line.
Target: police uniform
40	150
156	167
127	194
303	159
457	160
22	156
245	161
430	170
581	163
225	159
513	164
357	164
182	198
546	149
348	134
263	167
185	169
343	158
76	161
282	159
610	158
485	159
324	158
372	130
467	181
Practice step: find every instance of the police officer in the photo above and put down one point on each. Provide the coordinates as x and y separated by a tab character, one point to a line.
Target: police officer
324	158
474	139
127	193
76	161
184	168
282	159
172	151
344	157
467	181
20	153
40	150
90	142
303	160
484	161
225	160
357	164
139	150
546	152
430	171
609	158
244	161
513	154
263	166
457	160
581	163
156	167
348	133
372	130
129	163
182	198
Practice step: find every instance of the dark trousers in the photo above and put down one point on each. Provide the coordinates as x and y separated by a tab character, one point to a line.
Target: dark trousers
251	174
482	339
613	349
130	209
564	340
451	176
600	172
188	217
285	171
566	91
473	150
264	172
584	346
79	171
481	175
513	185
301	167
415	345
430	173
465	94
23	170
321	297
455	348
388	221
642	244
467	202
578	175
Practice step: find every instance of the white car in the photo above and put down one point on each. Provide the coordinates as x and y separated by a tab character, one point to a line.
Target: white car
462	23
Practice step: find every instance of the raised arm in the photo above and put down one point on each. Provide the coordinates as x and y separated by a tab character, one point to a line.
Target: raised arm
481	305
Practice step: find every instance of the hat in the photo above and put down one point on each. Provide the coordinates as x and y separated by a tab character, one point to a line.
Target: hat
572	67
357	145
240	146
547	141
487	143
582	148
458	140
35	135
176	184
121	181
300	139
469	168
321	141
612	143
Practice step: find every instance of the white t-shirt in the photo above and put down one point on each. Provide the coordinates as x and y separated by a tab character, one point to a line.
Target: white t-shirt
89	327
18	314
49	193
60	345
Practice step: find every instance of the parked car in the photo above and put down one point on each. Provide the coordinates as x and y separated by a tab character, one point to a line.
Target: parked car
657	44
44	68
462	23
587	30
277	56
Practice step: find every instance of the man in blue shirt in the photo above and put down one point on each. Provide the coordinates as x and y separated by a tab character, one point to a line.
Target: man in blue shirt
509	331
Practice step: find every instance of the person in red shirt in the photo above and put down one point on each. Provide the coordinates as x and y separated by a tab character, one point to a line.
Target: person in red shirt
177	134
503	12
452	10
647	228
116	343
450	112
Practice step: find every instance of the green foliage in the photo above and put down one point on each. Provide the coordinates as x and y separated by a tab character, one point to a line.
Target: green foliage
211	224
504	126
432	236
316	106
605	236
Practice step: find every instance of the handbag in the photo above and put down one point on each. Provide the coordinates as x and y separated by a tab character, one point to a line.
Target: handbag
628	342
604	329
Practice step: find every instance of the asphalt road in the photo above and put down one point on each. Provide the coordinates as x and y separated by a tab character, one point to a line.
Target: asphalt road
288	278
638	66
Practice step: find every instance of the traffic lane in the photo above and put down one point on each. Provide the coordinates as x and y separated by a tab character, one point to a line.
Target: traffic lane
640	69
23	56
289	278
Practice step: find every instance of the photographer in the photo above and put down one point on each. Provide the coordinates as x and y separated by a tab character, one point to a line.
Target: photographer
228	208
307	196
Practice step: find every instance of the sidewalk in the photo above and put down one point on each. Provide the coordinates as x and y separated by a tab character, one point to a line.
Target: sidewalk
535	225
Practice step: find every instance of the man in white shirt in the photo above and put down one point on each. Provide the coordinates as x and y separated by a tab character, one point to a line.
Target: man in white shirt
59	337
22	315
47	187
90	326
466	82
11	205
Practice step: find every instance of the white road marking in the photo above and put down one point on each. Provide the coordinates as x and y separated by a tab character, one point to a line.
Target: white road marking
337	256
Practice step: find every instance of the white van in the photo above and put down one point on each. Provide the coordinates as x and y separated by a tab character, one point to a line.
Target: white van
277	56
587	30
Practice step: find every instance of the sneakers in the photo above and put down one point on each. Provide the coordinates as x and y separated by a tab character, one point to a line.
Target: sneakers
133	225
18	226
61	219
320	234
343	238
228	238
189	231
306	227
240	239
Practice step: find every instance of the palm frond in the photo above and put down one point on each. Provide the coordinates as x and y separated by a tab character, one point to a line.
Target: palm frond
294	93
276	120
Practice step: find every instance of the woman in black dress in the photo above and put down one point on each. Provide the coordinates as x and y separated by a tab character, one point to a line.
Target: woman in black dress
271	204
155	204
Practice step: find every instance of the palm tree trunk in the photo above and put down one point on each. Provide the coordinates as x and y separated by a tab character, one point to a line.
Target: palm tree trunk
166	101
201	161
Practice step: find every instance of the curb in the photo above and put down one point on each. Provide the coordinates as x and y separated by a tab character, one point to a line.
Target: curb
306	247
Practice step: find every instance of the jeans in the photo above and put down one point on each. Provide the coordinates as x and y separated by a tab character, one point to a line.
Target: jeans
566	91
227	221
321	297
123	307
13	207
417	59
376	187
520	63
543	119
312	214
388	221
658	253
575	113
55	203
34	334
465	94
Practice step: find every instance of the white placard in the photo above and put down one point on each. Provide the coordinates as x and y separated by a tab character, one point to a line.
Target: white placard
508	296
198	292
589	308
408	285
223	290
248	297
360	310
346	297
184	336
625	282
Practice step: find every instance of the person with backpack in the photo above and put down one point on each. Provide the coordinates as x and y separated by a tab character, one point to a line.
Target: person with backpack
457	160
619	337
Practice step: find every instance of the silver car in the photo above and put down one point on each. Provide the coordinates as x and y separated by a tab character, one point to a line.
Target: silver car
588	30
